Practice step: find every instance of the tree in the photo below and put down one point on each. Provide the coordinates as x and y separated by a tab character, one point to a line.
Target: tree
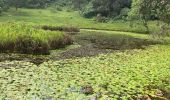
3	6
29	3
146	9
79	4
16	3
36	3
108	8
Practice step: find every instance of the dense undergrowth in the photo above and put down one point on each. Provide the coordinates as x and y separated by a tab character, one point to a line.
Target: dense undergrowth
142	74
23	38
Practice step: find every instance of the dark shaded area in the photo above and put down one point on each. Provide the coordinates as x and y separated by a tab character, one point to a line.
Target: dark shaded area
38	59
84	51
87	90
61	43
167	94
119	42
28	45
93	44
57	28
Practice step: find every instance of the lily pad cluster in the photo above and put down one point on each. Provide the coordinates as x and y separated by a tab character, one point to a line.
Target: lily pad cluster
127	75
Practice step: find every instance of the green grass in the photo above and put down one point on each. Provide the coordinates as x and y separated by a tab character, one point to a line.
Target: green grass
117	75
11	31
105	32
17	36
131	34
64	18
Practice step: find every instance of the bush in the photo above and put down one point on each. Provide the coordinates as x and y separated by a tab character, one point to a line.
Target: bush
65	29
100	18
89	14
67	40
88	11
1	10
124	13
3	6
30	46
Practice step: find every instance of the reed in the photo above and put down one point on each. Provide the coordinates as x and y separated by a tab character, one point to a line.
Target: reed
24	38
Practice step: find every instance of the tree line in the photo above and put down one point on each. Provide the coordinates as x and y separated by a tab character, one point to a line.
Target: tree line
135	9
106	8
5	4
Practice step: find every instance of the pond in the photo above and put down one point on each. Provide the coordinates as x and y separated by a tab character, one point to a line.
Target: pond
85	44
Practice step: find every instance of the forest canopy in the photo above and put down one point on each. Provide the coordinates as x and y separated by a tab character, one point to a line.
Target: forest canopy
140	9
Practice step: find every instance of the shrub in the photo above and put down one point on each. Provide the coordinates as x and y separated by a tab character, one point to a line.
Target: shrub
67	40
124	13
65	29
100	18
3	6
28	45
89	12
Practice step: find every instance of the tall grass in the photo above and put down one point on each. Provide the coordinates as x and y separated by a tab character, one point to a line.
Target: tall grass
20	37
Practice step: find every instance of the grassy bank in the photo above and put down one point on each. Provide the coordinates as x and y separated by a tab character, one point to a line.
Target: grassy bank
23	38
65	18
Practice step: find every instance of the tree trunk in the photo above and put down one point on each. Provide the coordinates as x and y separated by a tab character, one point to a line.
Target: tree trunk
16	7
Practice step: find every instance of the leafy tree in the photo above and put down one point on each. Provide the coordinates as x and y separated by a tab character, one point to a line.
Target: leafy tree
16	3
36	3
3	6
108	8
29	3
146	9
79	4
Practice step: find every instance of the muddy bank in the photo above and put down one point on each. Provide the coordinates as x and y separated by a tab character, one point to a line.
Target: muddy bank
36	59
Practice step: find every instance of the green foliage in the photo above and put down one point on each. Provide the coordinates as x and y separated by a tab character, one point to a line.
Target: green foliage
146	10
26	39
29	3
3	6
80	4
121	75
100	18
107	8
124	13
67	19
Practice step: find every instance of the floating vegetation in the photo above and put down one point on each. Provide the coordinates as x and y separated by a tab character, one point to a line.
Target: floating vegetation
126	75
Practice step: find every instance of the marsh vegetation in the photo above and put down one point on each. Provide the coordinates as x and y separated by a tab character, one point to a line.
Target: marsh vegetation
84	50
